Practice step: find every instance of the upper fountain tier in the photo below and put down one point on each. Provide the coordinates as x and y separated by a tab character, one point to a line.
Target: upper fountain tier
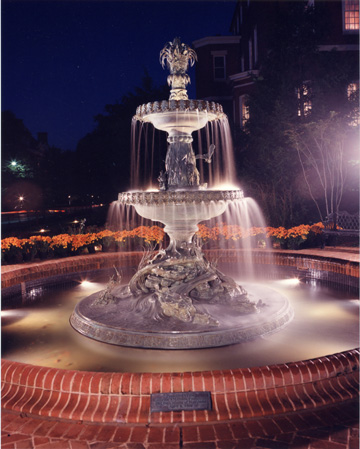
179	115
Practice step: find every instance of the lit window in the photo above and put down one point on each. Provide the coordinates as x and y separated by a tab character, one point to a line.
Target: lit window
219	67
351	15
303	94
244	111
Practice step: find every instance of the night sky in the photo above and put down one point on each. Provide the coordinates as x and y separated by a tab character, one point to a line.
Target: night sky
63	61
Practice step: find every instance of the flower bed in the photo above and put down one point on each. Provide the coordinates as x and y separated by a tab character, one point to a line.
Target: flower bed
291	238
14	250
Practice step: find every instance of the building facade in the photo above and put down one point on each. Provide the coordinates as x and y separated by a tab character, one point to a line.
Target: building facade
229	65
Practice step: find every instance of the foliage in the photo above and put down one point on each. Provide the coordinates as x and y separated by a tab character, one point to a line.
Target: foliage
40	174
14	250
324	148
104	154
268	156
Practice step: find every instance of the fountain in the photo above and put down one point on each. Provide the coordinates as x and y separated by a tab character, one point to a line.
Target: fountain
177	299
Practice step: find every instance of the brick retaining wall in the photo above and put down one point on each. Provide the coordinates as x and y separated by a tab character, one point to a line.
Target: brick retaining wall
16	274
125	397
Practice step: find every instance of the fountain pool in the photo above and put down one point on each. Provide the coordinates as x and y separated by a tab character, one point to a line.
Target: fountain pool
38	332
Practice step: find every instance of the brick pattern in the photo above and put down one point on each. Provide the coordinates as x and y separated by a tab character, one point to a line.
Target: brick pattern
310	404
125	397
332	427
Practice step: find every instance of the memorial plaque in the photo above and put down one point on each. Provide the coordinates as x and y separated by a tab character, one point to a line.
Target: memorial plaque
176	402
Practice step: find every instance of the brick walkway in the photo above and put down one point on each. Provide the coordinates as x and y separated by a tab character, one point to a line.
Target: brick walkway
334	427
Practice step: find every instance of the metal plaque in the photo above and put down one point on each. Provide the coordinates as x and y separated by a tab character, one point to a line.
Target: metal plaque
175	402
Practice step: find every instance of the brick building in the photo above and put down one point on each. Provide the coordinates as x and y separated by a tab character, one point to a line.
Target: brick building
228	65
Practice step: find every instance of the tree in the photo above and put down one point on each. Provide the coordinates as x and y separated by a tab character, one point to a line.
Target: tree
17	147
32	176
103	157
300	92
324	149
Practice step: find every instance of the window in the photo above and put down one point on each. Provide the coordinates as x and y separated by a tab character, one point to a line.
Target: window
351	15
219	68
303	94
244	111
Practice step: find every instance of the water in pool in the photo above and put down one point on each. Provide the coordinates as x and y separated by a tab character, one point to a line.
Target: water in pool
38	332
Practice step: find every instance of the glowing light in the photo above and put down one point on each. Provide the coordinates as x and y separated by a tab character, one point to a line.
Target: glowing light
86	284
75	221
42	230
13	163
226	186
21	198
290	282
13	313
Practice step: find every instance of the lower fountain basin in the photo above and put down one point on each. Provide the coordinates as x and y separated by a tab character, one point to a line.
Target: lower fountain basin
117	324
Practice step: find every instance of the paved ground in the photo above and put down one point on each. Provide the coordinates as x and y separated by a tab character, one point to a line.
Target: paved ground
333	427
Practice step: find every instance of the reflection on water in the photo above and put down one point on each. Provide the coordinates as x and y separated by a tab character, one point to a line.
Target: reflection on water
326	322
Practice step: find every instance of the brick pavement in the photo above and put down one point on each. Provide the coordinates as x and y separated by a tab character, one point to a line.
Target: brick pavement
331	427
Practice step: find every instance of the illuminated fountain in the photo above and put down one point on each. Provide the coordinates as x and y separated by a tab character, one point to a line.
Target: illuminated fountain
177	298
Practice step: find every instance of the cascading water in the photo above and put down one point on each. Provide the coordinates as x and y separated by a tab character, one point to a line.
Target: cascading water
177	298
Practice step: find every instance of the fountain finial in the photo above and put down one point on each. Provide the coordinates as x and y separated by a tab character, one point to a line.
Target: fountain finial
177	56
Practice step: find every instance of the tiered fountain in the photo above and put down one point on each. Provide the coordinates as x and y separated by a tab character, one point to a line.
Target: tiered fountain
177	298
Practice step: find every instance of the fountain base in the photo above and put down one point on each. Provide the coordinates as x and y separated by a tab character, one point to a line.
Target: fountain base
118	324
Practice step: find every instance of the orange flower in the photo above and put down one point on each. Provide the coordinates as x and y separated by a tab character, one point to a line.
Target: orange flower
63	240
7	243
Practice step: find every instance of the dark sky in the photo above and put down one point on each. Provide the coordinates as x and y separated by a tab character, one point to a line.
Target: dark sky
63	61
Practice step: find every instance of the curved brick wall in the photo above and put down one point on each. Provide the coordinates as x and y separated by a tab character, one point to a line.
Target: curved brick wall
125	397
16	274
